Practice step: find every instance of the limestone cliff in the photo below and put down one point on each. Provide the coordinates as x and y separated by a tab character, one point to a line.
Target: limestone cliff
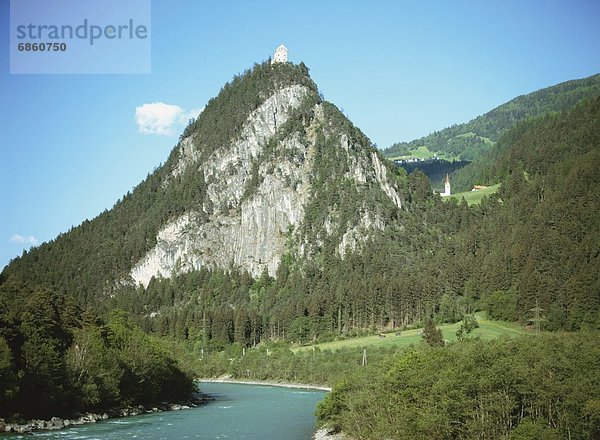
259	185
247	233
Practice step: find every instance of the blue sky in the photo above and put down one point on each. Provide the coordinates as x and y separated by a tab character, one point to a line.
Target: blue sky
71	144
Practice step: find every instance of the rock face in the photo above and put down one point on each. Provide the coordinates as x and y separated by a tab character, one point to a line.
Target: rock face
248	233
257	191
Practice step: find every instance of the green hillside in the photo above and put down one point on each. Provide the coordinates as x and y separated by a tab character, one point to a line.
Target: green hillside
543	231
422	152
467	141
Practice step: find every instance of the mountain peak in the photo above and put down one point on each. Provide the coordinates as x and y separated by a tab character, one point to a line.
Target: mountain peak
267	169
258	181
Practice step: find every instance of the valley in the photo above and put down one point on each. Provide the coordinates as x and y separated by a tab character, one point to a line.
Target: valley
277	242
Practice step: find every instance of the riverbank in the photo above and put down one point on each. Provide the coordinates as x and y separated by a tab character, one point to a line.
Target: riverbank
228	379
56	423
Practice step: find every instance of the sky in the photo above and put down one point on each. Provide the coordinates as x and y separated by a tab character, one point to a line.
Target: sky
72	144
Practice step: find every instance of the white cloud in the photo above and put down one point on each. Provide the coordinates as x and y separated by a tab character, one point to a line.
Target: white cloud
30	240
157	118
161	119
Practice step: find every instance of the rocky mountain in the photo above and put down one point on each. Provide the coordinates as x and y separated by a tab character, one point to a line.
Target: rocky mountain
269	168
274	217
258	188
469	140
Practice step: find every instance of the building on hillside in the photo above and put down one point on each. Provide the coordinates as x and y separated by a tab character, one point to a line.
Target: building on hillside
280	55
447	191
478	187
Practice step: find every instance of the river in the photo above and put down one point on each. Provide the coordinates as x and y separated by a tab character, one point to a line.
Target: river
249	412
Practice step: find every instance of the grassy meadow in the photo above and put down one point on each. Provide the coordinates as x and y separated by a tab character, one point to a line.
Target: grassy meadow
474	197
487	330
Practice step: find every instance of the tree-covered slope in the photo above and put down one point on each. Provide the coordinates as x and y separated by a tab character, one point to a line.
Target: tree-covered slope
470	139
540	240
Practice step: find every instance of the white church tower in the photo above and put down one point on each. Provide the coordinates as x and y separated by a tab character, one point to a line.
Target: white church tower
446	192
280	55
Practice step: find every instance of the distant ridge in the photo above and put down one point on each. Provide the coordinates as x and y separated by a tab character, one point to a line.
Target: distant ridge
469	140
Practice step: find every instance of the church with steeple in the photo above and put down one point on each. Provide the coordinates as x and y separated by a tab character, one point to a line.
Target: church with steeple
447	191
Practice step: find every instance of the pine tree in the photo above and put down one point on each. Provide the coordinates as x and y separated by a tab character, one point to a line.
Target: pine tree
432	335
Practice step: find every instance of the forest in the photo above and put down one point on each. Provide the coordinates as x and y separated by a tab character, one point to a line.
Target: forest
56	360
535	242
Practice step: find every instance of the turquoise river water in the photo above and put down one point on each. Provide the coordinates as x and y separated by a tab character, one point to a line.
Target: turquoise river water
239	411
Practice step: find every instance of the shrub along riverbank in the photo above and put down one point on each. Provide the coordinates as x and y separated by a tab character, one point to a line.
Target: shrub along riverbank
531	387
277	362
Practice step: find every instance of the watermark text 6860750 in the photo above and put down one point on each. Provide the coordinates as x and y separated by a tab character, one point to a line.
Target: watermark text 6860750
74	36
